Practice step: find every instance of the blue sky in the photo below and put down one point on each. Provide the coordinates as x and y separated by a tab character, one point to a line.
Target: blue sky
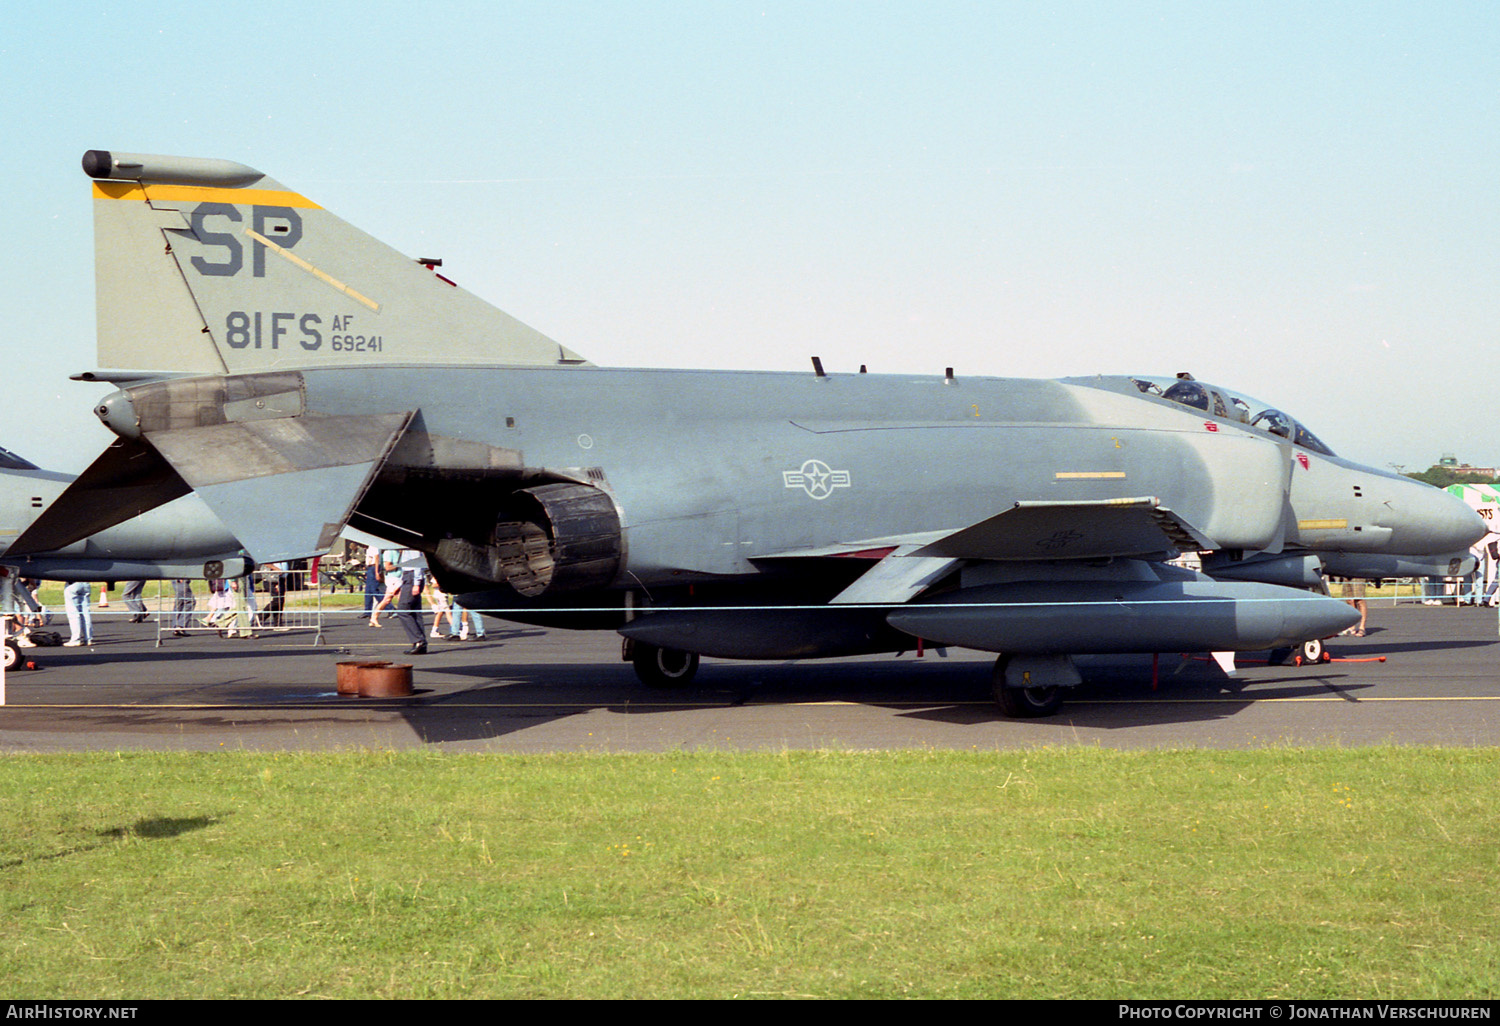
1298	201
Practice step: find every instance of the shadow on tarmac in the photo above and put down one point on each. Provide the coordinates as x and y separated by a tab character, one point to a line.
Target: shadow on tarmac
523	677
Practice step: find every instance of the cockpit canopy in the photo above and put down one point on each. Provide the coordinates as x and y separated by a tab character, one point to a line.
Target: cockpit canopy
1221	402
10	461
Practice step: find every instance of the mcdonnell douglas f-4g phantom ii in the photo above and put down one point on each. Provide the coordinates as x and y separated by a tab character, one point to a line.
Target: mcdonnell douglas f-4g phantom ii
297	374
179	539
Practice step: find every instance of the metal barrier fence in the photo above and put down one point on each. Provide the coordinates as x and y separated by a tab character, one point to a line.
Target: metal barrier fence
1437	591
1447	591
293	602
297	604
280	601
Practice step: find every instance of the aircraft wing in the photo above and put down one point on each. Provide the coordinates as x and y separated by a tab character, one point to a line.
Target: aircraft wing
126	480
1027	532
1139	527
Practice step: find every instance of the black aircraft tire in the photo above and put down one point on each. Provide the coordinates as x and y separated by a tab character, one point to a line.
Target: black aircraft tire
659	667
1024	703
12	655
1313	652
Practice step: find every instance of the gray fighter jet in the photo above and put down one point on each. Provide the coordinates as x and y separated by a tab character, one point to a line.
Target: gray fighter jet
180	538
297	375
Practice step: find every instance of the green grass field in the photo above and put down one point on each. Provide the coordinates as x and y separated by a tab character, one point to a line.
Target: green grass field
1082	873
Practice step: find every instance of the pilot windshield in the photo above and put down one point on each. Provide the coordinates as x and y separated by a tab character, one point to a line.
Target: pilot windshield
1223	403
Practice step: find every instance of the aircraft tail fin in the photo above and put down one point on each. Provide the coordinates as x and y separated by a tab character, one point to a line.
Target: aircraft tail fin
209	266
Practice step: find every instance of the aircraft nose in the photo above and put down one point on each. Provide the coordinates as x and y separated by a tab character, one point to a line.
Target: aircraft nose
1426	520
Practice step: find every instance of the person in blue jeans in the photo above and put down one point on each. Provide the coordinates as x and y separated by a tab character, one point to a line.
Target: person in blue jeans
76	597
183	604
374	580
459	615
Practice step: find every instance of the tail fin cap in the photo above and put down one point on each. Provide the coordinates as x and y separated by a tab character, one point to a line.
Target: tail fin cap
145	167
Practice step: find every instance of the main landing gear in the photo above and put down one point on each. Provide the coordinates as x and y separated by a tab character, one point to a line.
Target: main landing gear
1028	702
659	667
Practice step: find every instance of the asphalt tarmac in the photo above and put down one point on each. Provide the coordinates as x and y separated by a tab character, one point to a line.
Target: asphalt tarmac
527	689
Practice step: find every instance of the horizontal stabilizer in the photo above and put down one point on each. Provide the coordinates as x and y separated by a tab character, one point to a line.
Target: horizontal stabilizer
1073	530
284	487
128	479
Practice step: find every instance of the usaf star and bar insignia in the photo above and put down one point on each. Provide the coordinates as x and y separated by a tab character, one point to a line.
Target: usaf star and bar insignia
816	478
